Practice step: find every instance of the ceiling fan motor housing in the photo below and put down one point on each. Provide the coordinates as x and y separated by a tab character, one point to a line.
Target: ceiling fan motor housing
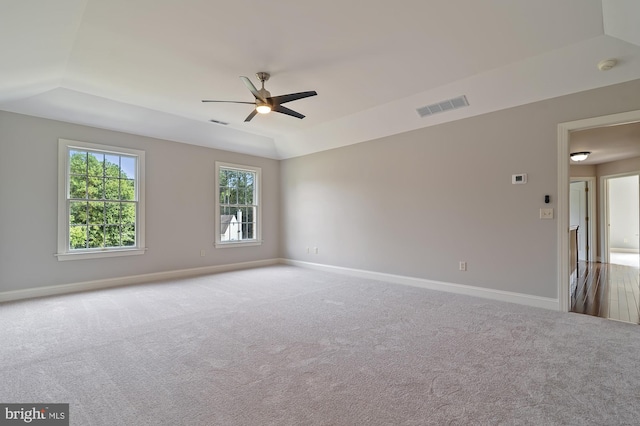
264	93
263	76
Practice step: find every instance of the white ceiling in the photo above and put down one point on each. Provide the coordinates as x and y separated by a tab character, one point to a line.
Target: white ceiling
142	66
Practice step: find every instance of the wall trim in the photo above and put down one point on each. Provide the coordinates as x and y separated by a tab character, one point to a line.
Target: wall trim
623	250
54	290
504	296
486	293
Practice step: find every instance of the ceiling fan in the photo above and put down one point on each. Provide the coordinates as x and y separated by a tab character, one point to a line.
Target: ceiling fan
266	103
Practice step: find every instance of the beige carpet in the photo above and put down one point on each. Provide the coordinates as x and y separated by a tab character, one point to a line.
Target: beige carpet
289	346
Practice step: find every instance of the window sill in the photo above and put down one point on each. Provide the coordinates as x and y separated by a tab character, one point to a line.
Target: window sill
98	254
228	244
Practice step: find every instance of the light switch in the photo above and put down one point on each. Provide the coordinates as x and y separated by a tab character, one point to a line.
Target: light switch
546	213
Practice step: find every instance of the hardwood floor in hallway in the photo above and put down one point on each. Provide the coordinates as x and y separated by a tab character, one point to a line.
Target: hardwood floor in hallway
608	291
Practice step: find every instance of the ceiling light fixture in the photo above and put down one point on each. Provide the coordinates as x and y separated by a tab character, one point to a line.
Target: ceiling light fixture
263	109
579	156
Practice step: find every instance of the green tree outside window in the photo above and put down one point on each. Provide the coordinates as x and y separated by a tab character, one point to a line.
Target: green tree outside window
102	200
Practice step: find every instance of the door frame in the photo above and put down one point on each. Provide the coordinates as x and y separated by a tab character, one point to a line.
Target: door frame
605	208
564	130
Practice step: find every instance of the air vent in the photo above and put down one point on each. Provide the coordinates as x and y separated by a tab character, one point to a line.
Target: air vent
448	105
219	122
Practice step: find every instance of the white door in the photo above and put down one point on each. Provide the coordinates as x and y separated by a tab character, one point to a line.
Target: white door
578	216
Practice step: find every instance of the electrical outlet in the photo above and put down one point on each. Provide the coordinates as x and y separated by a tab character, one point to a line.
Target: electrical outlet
463	266
308	250
315	249
202	253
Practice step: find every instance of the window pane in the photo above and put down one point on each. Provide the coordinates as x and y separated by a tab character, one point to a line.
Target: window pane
96	236
101	197
77	213
241	216
232	175
233	195
236	191
224	195
251	227
95	188
127	167
240	192
127	189
112	165
128	235
111	189
77	237
251	191
96	213
78	162
112	236
96	164
128	213
77	187
112	213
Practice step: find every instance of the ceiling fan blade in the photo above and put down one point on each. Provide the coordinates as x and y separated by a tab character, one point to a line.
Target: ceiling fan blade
230	102
278	100
250	116
285	110
251	87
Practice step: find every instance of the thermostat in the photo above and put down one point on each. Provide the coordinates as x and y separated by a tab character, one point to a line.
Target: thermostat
519	178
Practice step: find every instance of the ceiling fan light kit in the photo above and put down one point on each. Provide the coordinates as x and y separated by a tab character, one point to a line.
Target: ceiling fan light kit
263	109
264	102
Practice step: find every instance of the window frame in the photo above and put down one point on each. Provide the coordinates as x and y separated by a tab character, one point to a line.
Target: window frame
257	240
64	252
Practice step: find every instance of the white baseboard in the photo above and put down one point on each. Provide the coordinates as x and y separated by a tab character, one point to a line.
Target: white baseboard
623	250
29	293
505	296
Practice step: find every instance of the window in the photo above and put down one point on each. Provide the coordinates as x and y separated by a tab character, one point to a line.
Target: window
100	201
237	205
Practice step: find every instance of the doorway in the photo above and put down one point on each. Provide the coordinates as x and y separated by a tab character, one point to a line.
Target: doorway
621	219
563	228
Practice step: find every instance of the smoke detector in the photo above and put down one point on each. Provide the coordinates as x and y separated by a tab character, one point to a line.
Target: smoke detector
607	64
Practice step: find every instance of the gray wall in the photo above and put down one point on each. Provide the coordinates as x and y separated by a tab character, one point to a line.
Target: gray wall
416	204
413	204
179	206
582	171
